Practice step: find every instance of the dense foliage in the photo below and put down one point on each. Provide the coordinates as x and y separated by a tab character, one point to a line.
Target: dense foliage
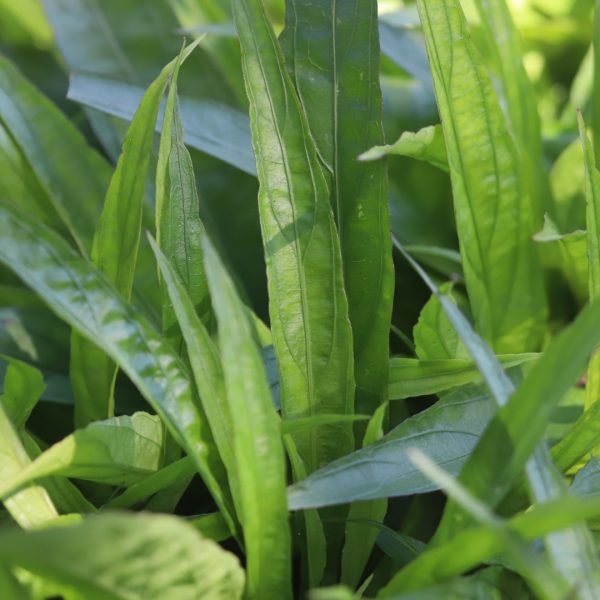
304	305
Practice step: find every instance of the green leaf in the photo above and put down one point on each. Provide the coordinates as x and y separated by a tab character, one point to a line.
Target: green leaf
520	424
434	336
20	186
332	53
179	230
572	256
118	451
211	127
308	306
206	366
168	476
448	432
315	547
73	175
10	587
115	249
135	557
84	298
23	386
426	144
491	195
524	559
518	428
475	545
519	96
410	377
592	195
32	506
360	540
257	445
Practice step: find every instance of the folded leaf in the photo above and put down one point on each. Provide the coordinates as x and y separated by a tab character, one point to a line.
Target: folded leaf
332	53
308	306
494	214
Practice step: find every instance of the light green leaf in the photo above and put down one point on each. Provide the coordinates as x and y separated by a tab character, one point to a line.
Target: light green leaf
166	477
434	336
592	196
206	366
332	54
126	556
426	144
23	386
491	195
315	547
73	175
84	298
179	230
519	97
257	445
118	451
308	306
32	506
572	258
410	377
214	17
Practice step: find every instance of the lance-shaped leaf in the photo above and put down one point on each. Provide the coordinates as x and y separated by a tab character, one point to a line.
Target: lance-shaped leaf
592	197
257	443
115	249
308	306
84	298
134	556
32	506
519	97
332	51
22	387
493	211
448	432
73	175
179	230
205	362
119	451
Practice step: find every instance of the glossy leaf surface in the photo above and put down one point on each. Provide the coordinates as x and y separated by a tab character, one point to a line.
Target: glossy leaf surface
308	306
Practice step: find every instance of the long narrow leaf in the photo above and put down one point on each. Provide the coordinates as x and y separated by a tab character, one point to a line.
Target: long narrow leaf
257	444
492	207
332	51
308	306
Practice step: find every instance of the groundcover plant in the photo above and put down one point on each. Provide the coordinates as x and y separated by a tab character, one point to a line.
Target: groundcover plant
299	299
